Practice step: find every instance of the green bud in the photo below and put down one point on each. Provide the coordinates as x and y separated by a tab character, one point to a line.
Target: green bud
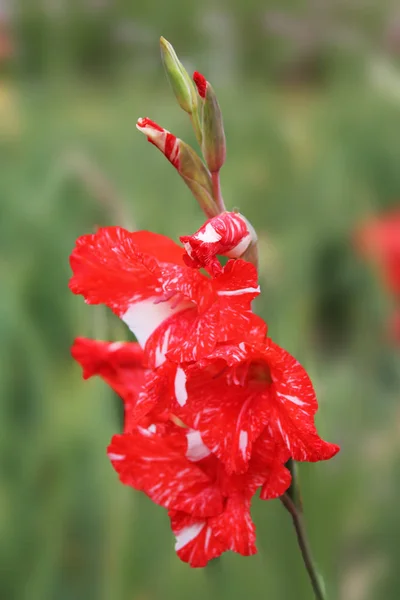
181	83
213	139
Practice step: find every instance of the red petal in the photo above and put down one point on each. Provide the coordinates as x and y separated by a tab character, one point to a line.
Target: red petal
234	528
229	417
110	269
201	84
195	542
295	404
156	465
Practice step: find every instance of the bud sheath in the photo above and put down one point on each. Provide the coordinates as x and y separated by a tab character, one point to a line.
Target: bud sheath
213	134
178	77
186	162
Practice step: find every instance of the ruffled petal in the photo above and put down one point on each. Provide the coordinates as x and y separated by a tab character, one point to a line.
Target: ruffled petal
156	465
229	416
294	406
196	543
112	267
234	527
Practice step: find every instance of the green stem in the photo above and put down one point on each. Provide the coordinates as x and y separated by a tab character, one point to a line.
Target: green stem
217	191
292	502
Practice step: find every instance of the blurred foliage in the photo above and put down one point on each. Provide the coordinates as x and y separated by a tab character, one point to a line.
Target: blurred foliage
305	163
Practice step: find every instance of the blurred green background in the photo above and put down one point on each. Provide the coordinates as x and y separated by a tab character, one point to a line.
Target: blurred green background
310	93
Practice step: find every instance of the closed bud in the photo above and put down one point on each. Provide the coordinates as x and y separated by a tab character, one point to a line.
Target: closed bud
228	234
213	134
178	77
186	162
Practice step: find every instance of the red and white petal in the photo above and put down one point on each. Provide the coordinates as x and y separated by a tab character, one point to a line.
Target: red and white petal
234	527
294	407
170	338
196	543
228	416
156	465
238	325
110	267
238	281
145	317
190	284
196	448
155	396
200	336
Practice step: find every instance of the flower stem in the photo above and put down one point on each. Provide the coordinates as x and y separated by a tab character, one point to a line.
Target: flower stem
217	191
292	502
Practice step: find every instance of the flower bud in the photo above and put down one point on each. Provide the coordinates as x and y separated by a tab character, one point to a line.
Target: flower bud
228	234
213	134
186	162
178	77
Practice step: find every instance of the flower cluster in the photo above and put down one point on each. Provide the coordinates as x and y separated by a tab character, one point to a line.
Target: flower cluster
214	408
379	240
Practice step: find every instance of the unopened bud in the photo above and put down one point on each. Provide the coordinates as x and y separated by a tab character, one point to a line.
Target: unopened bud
228	234
186	162
213	134
178	77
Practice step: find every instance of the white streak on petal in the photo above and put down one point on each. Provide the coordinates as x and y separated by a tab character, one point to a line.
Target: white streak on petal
187	534
209	234
152	428
113	456
180	387
249	290
207	540
293	399
196	449
144	317
161	352
243	441
115	346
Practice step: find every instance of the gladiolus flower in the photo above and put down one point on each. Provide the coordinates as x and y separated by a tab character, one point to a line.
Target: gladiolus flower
209	509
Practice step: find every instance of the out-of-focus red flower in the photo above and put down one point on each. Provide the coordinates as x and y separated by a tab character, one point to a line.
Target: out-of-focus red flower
379	240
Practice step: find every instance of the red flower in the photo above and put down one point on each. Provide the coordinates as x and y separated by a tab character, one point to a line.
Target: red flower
242	392
210	511
228	234
168	306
